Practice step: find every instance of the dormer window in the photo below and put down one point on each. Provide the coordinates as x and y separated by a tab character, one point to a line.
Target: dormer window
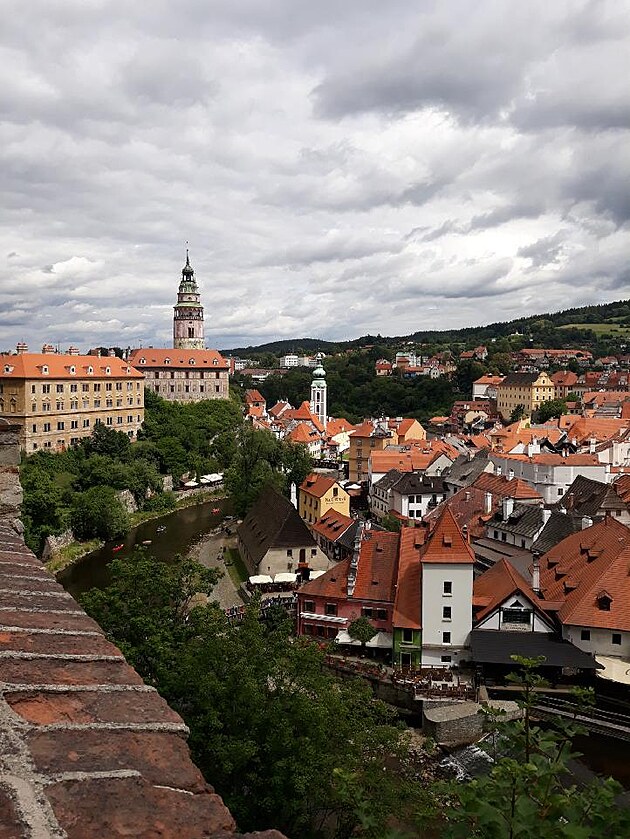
167	361
8	368
90	370
73	370
143	361
45	369
603	601
191	360
215	361
108	371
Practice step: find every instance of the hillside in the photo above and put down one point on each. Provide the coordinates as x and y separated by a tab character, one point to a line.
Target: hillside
586	326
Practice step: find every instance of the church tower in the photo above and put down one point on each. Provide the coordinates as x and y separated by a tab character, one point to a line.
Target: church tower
318	391
188	315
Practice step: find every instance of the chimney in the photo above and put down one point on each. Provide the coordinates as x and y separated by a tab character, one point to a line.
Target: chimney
487	504
536	574
21	348
112	353
498	470
546	515
511	475
587	521
294	500
508	508
354	562
48	349
73	350
591	445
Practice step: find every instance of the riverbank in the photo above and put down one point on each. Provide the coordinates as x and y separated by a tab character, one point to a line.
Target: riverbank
69	555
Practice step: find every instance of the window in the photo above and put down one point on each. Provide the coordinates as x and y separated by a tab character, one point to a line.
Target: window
32	388
616	638
74	388
446	613
86	423
585	635
119	420
34	428
85	388
108	386
313	551
74	424
45	388
46	426
408	636
381	614
366	611
59	388
517	614
448	587
309	606
97	387
289	551
446	659
446	637
110	420
331	609
59	426
335	492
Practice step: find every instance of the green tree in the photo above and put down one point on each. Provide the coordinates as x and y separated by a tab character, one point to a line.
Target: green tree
107	441
390	522
518	413
361	630
526	794
551	408
98	512
261	707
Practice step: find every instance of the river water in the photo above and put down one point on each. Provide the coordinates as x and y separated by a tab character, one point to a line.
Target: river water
169	535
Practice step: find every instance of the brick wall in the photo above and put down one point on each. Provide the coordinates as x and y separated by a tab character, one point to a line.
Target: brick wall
86	748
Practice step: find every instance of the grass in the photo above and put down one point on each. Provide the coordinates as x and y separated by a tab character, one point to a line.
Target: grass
236	567
71	553
612	329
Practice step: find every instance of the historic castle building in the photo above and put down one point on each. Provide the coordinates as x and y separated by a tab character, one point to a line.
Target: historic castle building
58	398
319	392
187	372
188	314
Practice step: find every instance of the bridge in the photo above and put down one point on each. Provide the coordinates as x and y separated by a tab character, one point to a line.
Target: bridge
596	720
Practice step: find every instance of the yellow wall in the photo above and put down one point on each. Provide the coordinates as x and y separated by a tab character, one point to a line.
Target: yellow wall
312	507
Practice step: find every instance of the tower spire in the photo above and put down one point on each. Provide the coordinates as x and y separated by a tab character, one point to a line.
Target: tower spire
188	312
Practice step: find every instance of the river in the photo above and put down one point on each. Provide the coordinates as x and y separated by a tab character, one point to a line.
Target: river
182	530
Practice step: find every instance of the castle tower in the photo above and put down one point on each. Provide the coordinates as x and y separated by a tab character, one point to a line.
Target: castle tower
188	314
319	391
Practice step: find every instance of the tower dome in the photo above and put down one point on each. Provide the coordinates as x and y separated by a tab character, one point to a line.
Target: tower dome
188	330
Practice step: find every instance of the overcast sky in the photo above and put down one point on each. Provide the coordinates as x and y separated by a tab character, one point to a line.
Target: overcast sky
339	166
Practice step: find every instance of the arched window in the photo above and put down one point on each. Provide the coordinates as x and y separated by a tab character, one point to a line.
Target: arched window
108	370
167	361
90	370
73	370
191	360
45	369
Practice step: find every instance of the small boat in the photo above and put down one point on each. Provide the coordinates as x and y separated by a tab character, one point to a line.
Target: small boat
161	528
147	542
117	548
216	510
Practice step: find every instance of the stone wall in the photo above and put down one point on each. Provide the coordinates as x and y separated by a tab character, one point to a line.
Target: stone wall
53	544
86	748
453	725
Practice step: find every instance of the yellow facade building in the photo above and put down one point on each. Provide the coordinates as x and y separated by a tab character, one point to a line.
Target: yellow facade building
368	437
58	398
528	390
319	494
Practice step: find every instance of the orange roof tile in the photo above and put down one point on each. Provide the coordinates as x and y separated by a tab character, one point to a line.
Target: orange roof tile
498	583
332	525
407	604
583	566
177	358
302	433
447	543
503	487
59	366
378	567
317	485
338	426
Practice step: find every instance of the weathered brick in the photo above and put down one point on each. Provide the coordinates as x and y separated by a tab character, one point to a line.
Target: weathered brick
124	807
11	582
10	824
92	707
162	758
46	671
48	620
53	644
14	600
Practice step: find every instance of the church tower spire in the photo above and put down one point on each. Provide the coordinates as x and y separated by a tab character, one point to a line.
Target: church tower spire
188	312
319	391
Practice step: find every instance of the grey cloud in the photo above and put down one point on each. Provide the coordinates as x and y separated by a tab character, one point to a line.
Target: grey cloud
545	251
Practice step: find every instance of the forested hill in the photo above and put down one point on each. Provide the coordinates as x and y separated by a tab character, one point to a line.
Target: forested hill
585	325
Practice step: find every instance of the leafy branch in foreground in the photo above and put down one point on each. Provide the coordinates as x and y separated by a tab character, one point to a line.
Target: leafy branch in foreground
528	794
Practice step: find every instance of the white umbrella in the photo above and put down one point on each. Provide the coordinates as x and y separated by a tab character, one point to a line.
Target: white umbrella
260	580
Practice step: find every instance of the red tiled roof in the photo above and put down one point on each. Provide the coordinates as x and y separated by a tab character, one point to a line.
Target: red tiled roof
30	366
447	543
253	396
317	485
378	567
407	604
488	380
503	487
332	584
585	565
332	525
498	583
467	506
338	426
178	358
302	433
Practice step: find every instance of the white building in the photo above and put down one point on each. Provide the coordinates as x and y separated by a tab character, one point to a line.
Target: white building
551	474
